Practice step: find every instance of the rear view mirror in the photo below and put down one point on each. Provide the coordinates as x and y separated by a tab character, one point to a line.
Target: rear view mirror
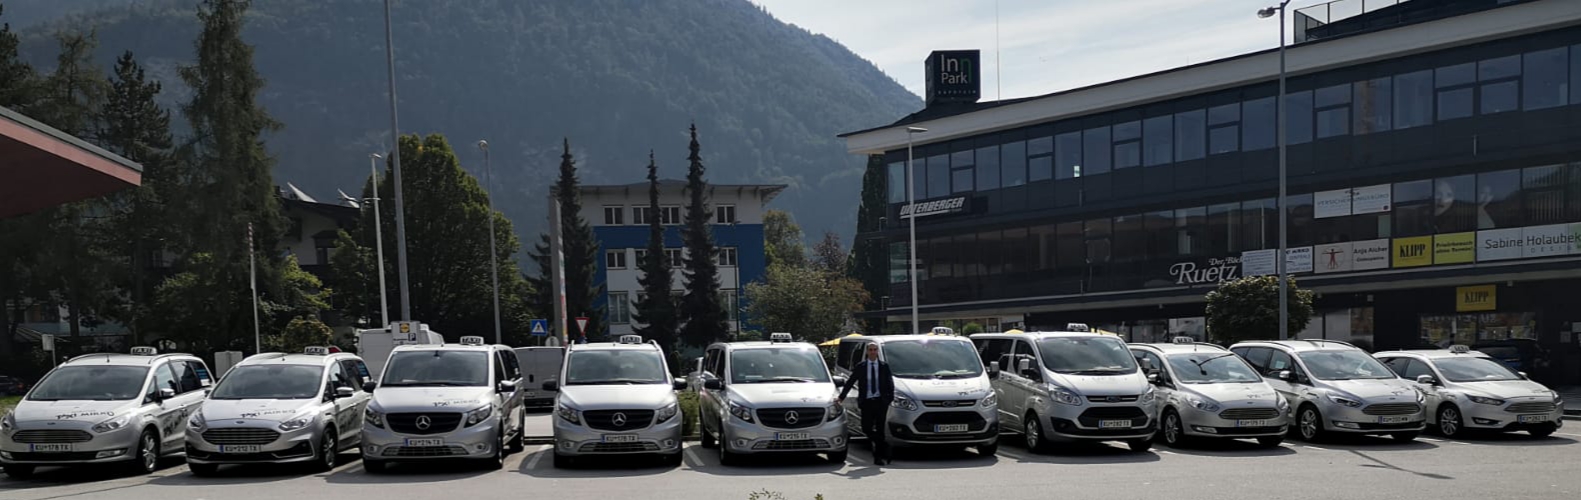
507	386
714	384
369	386
166	393
1286	375
551	385
1024	366
993	369
344	392
1524	376
1152	377
1426	380
839	381
678	384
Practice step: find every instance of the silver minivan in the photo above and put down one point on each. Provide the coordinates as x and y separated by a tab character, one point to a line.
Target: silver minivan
444	401
770	397
280	408
1070	386
105	408
616	398
942	392
1206	391
1335	387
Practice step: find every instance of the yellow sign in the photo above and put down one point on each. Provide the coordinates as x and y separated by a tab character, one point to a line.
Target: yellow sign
1457	248
1476	298
1413	252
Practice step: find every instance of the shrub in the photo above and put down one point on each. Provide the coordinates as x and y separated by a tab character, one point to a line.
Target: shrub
689	411
971	328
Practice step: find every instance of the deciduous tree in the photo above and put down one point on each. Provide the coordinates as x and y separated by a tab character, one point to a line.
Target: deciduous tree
1248	309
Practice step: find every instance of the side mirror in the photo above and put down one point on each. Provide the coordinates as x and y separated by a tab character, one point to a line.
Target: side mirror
1286	375
1524	376
369	386
551	385
507	385
1024	366
344	392
714	384
166	393
993	370
1426	380
840	381
1153	378
678	384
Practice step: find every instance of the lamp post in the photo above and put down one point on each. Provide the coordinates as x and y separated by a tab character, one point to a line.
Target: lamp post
1284	219
911	221
395	171
494	266
378	238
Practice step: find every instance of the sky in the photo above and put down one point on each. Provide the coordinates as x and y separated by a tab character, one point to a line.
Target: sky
1044	45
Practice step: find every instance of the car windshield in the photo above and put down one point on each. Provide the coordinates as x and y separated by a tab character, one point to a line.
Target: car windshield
1087	355
1474	369
437	368
1211	367
91	383
932	358
615	366
270	382
1344	365
758	366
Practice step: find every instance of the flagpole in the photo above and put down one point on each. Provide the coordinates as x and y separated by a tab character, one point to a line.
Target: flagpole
252	271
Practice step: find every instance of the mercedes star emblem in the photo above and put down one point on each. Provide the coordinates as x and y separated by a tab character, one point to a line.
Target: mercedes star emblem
619	419
791	417
423	422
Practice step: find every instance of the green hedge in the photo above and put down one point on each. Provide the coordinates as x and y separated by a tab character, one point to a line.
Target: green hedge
689	411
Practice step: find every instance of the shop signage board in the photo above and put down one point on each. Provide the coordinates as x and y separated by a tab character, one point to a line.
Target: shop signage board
1476	298
1210	272
1336	203
1298	260
1454	248
1332	258
1370	254
1259	262
1499	244
1413	252
1371	199
1547	241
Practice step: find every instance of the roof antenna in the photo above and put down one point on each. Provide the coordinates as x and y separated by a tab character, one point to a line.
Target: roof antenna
998	87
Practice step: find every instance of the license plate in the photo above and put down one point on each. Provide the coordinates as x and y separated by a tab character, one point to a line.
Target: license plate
1114	424
239	449
1253	423
620	438
1394	420
791	436
51	448
950	428
1529	419
529	394
425	442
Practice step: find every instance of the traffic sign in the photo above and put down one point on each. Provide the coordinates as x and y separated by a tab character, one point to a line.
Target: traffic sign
581	324
540	327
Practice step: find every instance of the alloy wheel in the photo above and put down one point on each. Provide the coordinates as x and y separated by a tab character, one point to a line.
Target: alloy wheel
1449	421
1309	423
150	452
1034	434
1172	428
329	448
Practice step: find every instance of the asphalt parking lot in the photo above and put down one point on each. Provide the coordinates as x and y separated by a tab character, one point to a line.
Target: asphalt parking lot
1499	466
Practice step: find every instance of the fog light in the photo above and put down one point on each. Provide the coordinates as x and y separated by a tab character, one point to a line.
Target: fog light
1347	425
109	453
839	440
1204	430
741	443
374	449
567	444
669	443
481	446
1483	421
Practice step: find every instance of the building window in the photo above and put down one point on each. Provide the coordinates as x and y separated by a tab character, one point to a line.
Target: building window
1332	106
1190	135
1546	79
1413	208
1191	225
1413	99
619	308
1067	155
1455	204
961	174
1013	167
670	216
614	215
1040	162
725	214
322	253
1301	216
1498	82
1223	229
1160	234
988	168
1258	124
1298	117
899	271
675	255
897	182
938	176
727	257
1543	194
1499	199
1158	140
730	299
639	216
641	256
1575	74
1259	224
1455	85
1224	129
1095	151
1373	105
615	259
1127	145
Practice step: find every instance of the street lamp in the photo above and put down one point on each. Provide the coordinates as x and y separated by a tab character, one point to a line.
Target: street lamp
378	236
494	266
1284	219
395	170
911	220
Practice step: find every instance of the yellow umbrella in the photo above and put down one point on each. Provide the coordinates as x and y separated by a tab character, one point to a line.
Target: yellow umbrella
836	341
1013	330
1106	332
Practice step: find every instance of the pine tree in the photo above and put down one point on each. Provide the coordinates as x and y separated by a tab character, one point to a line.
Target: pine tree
18	253
656	310
581	252
135	127
17	81
703	317
869	262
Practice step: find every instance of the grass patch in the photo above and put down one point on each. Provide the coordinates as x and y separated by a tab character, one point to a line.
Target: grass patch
7	403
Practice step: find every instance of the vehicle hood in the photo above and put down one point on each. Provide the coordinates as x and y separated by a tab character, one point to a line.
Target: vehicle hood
614	397
1506	389
955	388
272	410
788	393
1129	384
70	414
1390	390
1251	394
403	399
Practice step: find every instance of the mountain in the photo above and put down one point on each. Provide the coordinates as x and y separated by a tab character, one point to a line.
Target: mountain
618	77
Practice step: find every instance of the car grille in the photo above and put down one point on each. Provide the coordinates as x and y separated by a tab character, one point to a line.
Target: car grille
973	421
240	436
1249	414
1392	409
438	423
47	436
1522	408
425	451
798	444
949	403
605	420
781	418
1112	399
618	447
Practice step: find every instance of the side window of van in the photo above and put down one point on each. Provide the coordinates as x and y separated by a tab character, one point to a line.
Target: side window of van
1023	351
1257	356
204	377
994	349
164	378
355	376
842	358
186	379
1279	361
500	373
856	355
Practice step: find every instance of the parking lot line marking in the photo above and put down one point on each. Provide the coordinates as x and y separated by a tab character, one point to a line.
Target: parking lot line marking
695	462
1567	434
532	463
1167	452
1314	447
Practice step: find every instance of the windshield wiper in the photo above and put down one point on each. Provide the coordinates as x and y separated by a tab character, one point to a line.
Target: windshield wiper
781	379
614	381
1204	361
1105	371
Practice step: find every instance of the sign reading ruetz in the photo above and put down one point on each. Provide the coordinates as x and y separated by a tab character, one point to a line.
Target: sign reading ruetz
1214	272
935	207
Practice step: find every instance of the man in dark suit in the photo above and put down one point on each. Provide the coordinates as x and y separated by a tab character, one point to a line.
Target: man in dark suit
875	390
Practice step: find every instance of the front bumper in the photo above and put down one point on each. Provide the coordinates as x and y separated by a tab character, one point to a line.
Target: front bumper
752	437
573	439
1086	422
923	427
1481	416
1340	418
93	448
289	446
478	441
1200	423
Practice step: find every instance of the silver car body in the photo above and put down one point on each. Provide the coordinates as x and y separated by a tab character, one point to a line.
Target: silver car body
1359	406
1069	407
234	431
1513	404
39	432
1222	410
417	423
616	419
785	416
931	411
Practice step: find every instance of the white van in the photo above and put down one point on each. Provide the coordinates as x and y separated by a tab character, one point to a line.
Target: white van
539	365
943	395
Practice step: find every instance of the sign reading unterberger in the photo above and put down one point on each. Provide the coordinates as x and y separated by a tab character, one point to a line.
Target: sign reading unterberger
1476	298
953	76
934	207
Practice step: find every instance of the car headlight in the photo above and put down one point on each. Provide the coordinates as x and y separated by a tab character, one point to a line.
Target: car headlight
741	411
666	413
835	410
1421	396
1557	400
904	402
1342	400
991	400
1147	397
297	422
477	416
373	418
1281	403
111	424
569	414
1485	401
1203	404
7	423
197	422
1063	395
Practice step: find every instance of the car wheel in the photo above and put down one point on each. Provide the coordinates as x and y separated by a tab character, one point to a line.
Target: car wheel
19	471
988	450
1174	432
838	457
727	458
372	466
708	440
519	444
1309	424
497	461
1270	441
328	451
1139	445
563	461
1449	423
1033	432
1405	437
1542	432
146	458
204	470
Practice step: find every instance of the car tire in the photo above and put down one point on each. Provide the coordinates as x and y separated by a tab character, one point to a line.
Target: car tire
1173	431
1270	441
328	452
988	450
372	466
145	459
838	457
1032	431
1405	437
1309	424
1542	432
1450	424
204	470
563	461
18	471
497	461
519	443
727	458
1139	445
708	440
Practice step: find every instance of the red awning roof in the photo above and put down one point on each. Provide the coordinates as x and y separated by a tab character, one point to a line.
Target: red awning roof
41	167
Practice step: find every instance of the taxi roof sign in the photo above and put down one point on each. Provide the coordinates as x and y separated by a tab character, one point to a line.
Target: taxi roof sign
144	351
630	339
1459	349
471	340
780	337
316	350
1077	327
1184	340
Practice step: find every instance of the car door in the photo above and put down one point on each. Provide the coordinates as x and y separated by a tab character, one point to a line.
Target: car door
1020	387
357	374
343	409
510	401
1165	386
168	417
708	399
1431	395
997	352
851	353
1293	391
